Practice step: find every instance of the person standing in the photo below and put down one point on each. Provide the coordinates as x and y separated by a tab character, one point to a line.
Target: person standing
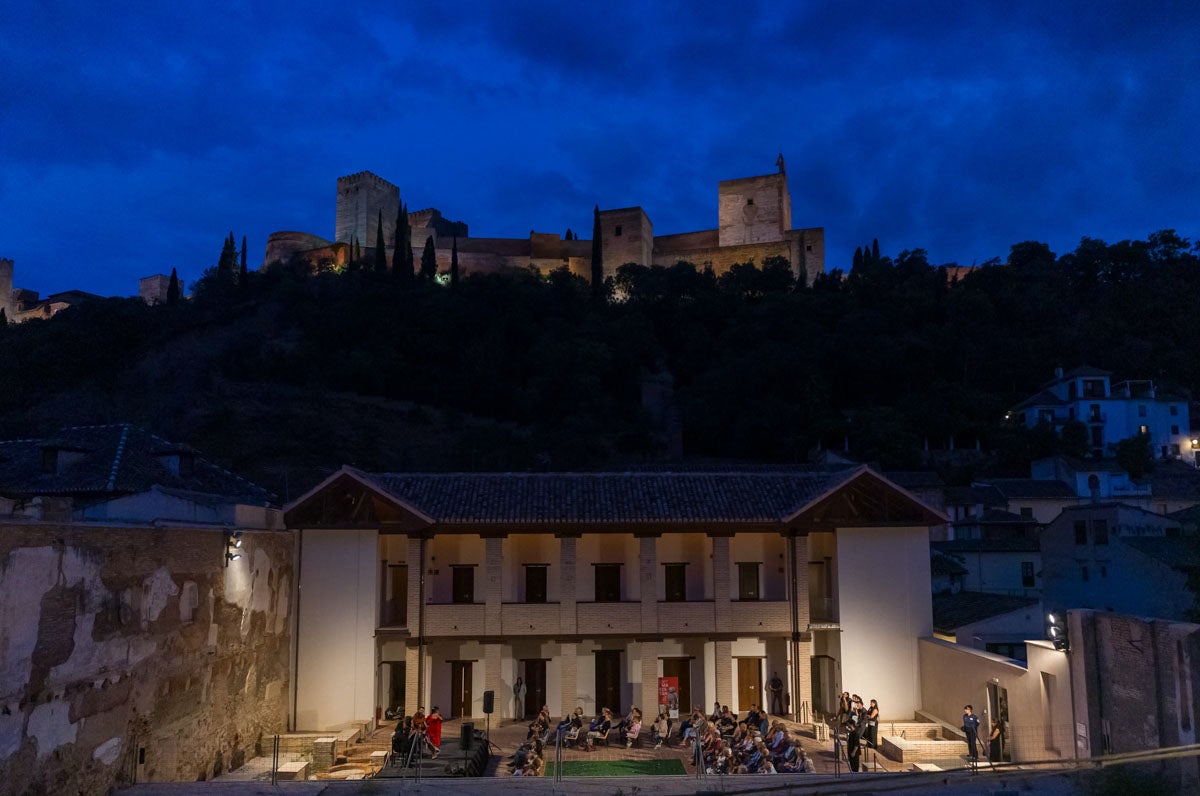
775	688
519	697
996	743
970	726
433	728
872	725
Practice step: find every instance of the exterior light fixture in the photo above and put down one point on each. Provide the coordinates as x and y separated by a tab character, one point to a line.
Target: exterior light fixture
1056	631
1195	442
233	546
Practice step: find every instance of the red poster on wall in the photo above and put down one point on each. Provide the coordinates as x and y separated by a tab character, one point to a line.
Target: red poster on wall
668	696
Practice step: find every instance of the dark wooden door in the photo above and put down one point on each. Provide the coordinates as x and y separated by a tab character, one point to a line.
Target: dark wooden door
396	681
535	685
608	680
749	683
397	615
460	689
681	668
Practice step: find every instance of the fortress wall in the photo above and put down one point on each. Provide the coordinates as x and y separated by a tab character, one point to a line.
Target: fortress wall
754	210
810	251
283	245
628	237
664	245
360	198
6	287
723	258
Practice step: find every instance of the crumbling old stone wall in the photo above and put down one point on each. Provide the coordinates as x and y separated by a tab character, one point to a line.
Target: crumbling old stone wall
135	654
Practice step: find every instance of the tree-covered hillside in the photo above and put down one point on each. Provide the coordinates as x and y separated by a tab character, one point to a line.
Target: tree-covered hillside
285	374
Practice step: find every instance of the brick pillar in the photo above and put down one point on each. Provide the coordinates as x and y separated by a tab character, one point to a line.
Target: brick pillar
723	664
569	680
491	674
649	695
648	571
721	593
493	585
416	570
412	697
802	652
566	584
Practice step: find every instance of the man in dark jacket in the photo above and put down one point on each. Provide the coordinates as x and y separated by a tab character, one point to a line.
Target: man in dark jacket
970	726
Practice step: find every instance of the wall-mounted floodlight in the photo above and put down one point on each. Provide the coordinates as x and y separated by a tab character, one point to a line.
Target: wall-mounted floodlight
233	546
1056	631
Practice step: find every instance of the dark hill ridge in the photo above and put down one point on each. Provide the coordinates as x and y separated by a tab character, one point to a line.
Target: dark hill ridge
292	375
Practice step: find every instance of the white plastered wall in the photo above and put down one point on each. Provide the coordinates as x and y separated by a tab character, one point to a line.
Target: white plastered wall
335	676
885	606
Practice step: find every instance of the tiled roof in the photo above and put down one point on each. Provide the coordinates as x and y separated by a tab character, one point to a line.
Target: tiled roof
1086	371
113	460
971	495
1179	552
1043	398
1174	480
608	497
1006	545
1030	488
997	517
952	611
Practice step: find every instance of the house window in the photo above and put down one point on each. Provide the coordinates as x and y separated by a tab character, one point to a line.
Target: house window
1083	573
1104	570
676	582
1080	532
608	583
748	580
1100	531
1174	410
1027	511
535	583
617	231
464	584
1174	429
1174	450
1094	413
750	200
1143	429
1027	574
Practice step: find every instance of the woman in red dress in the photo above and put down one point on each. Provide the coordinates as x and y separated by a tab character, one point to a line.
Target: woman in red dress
434	721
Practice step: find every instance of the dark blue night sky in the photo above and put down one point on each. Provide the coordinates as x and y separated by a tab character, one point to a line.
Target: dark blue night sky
133	140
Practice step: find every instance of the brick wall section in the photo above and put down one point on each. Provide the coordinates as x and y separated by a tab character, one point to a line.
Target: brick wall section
491	671
566	586
649	695
493	582
569	679
720	545
416	573
648	570
723	666
113	665
412	695
803	661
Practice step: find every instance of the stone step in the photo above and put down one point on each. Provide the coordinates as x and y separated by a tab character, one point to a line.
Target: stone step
906	751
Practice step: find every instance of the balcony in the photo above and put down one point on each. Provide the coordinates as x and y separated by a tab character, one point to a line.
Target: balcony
530	619
455	619
687	617
756	616
608	618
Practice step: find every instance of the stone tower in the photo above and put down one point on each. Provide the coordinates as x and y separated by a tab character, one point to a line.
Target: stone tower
360	198
6	287
754	209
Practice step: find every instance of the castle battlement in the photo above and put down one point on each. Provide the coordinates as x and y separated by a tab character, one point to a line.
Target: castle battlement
359	178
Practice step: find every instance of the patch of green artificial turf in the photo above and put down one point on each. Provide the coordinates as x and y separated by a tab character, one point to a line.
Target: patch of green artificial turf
618	768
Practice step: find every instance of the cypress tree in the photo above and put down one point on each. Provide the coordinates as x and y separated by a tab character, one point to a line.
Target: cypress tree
357	251
3	320
227	263
428	260
173	289
380	247
875	251
242	270
454	262
409	261
399	261
597	256
569	235
856	265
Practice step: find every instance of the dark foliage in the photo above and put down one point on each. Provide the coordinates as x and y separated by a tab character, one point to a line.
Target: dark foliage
887	360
